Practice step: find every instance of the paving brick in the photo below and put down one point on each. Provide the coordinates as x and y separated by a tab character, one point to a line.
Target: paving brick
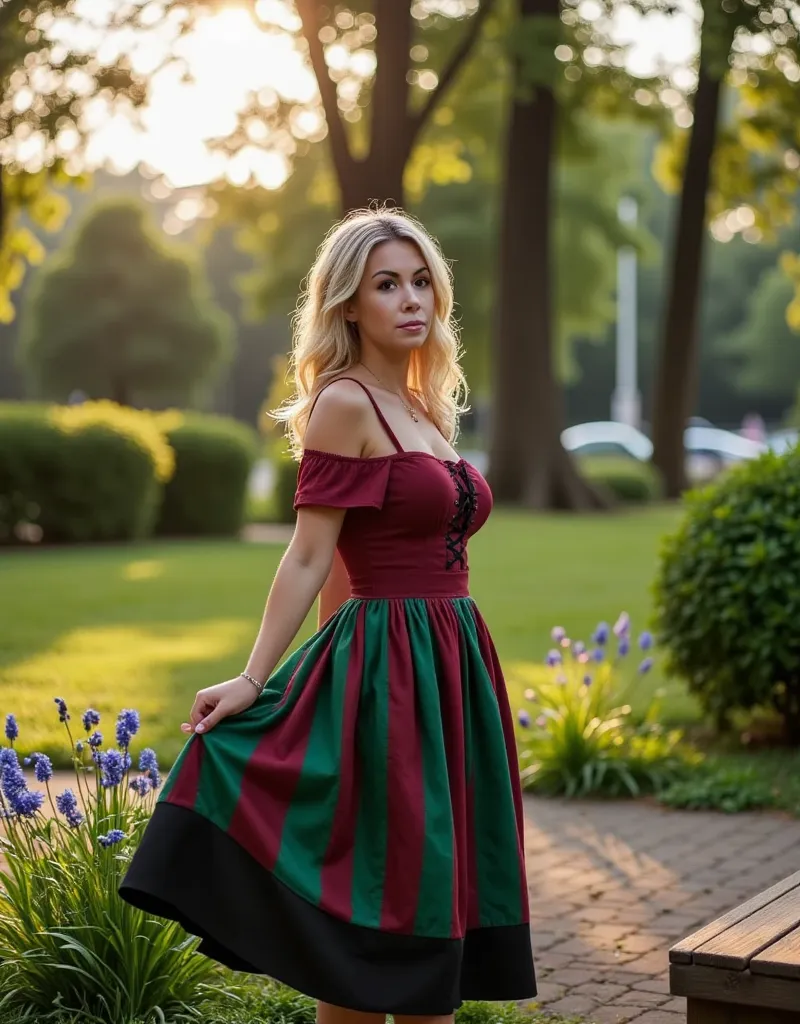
573	1004
549	992
658	1017
642	943
603	993
659	985
636	997
615	1014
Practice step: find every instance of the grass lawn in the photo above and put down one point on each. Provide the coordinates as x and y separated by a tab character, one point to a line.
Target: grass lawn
145	626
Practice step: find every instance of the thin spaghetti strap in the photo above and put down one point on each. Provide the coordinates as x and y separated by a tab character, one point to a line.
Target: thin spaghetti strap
375	406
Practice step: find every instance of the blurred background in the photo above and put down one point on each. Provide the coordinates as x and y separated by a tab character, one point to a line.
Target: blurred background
615	182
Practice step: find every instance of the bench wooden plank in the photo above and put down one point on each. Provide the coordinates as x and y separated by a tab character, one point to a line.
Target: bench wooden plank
738	988
781	959
699	1011
682	952
737	945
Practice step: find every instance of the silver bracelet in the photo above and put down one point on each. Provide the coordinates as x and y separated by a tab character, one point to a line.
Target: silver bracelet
255	682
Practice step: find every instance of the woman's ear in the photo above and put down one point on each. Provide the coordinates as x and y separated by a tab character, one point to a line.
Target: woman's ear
350	312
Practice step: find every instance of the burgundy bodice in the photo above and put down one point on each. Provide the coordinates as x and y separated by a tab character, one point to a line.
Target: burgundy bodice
409	517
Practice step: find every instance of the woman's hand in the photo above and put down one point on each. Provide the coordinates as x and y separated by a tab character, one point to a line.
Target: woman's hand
217	702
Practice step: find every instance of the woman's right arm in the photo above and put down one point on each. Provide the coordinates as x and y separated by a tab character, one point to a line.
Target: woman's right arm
337	426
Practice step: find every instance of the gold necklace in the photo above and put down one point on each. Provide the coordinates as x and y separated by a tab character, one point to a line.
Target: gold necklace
409	409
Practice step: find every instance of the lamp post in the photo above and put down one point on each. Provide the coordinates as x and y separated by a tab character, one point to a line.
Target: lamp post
626	404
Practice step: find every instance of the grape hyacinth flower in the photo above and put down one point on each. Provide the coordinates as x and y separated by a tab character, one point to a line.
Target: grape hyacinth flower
90	718
79	747
67	805
645	666
43	768
554	658
116	835
63	714
578	647
112	765
96	739
600	635
524	718
15	788
587	680
127	727
149	763
557	633
26	804
646	641
12	729
598	654
624	646
622	625
141	785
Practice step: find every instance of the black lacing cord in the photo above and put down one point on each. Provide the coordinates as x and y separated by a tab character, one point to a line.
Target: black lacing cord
466	509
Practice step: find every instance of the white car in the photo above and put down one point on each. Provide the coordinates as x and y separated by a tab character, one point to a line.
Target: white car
782	440
708	449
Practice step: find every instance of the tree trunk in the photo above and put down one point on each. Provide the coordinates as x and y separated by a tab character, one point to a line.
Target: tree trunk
675	385
370	182
528	464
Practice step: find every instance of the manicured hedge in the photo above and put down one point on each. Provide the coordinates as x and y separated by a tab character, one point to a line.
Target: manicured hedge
626	480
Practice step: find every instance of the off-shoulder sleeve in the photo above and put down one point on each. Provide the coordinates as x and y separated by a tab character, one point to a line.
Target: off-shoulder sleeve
339	481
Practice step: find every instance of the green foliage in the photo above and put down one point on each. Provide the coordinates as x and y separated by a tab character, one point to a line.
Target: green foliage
582	741
79	473
120	314
286	469
68	943
723	789
625	479
728	591
208	493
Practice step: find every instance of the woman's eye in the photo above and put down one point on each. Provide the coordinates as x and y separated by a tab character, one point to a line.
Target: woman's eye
423	281
384	285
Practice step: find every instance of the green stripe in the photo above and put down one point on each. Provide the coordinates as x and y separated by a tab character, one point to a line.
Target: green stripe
435	901
174	771
309	820
495	838
369	859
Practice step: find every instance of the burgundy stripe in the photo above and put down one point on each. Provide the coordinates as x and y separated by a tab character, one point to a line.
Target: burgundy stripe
405	827
337	865
446	632
492	662
184	789
273	770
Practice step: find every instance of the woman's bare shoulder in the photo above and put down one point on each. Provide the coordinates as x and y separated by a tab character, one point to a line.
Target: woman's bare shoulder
338	422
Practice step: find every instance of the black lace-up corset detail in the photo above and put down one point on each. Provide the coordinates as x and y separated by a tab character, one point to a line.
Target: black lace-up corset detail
466	507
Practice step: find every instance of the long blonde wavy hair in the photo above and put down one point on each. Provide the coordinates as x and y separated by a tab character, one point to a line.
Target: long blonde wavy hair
326	345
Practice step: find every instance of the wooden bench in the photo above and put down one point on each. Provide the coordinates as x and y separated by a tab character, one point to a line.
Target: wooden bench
744	968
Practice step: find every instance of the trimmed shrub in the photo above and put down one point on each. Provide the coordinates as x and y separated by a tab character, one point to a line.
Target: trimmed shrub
623	479
286	469
79	473
213	458
728	591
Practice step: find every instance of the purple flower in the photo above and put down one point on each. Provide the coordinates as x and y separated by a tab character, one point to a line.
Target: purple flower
116	835
600	635
587	680
578	647
645	666
67	805
79	746
598	654
43	768
624	646
622	625
112	765
90	718
141	785
557	633
26	761
96	739
554	658
127	726
63	714
12	779
524	718
149	763
12	729
646	641
26	804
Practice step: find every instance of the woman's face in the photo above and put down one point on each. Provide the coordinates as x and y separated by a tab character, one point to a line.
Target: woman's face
394	304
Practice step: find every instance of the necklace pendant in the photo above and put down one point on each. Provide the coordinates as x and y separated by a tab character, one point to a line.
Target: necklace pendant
414	416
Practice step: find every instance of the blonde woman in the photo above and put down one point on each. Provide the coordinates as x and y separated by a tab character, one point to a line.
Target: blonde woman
351	822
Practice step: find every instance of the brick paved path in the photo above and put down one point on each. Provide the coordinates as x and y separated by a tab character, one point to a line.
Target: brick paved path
614	884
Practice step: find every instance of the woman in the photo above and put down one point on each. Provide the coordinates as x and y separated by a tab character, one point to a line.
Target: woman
353	825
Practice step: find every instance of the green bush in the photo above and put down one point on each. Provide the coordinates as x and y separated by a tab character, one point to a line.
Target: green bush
728	592
286	469
579	739
79	473
213	459
729	789
623	479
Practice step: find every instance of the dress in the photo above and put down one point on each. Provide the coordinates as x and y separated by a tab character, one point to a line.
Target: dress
357	833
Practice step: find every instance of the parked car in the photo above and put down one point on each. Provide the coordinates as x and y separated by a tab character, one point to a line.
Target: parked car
708	449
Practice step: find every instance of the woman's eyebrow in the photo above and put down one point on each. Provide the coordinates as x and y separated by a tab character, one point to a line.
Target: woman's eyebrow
393	273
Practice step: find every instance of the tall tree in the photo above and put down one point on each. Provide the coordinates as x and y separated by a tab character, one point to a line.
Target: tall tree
727	54
119	314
